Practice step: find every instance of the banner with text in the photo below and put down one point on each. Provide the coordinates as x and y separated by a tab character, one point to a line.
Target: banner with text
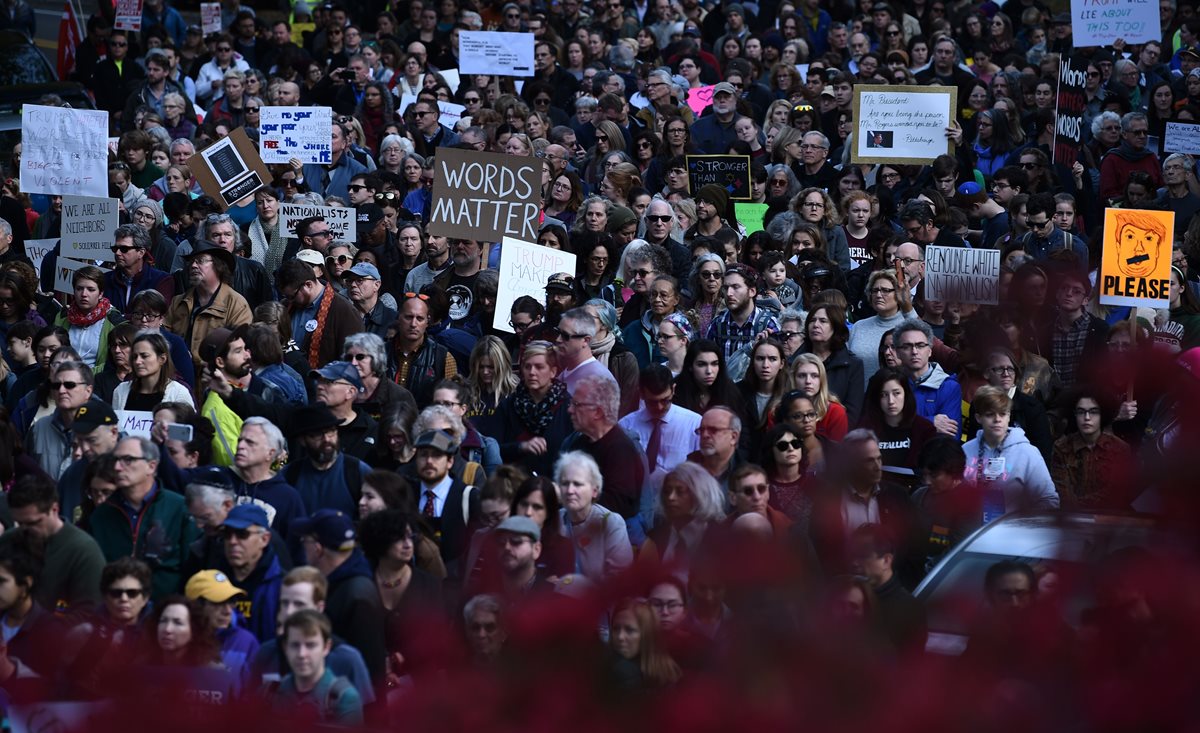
128	15
1135	265
1100	22
962	275
1068	124
296	132
524	269
87	228
1182	137
210	18
495	52
750	215
902	125
64	270
339	218
64	151
485	196
36	249
730	172
135	423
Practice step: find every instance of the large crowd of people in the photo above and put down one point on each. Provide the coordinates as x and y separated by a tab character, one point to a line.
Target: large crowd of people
716	440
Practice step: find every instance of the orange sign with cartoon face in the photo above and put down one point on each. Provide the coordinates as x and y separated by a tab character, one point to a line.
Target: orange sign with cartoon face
1135	268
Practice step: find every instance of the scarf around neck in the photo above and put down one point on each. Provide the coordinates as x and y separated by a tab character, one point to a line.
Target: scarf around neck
77	317
602	347
537	416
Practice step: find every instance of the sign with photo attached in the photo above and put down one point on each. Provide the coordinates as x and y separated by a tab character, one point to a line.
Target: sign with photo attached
230	169
902	124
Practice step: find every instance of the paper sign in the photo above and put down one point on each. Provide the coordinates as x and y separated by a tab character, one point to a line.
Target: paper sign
524	269
1100	22
450	113
135	423
699	99
63	272
65	151
731	172
339	218
485	196
750	215
406	100
298	31
902	125
1182	137
495	52
962	275
129	15
1068	125
210	18
1135	266
230	169
296	132
36	249
88	225
452	78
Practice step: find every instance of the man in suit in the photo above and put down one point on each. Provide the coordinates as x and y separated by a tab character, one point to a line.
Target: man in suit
446	502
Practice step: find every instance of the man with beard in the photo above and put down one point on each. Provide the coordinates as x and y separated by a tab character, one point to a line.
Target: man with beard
321	319
712	203
519	545
742	322
437	260
325	477
249	277
210	303
657	225
225	354
459	280
447	504
560	297
720	429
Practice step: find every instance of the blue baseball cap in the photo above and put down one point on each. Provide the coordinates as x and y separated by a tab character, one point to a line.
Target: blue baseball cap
336	370
363	269
245	516
332	528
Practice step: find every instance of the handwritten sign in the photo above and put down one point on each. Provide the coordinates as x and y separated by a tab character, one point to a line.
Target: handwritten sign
339	218
524	269
1100	22
495	52
65	151
210	18
750	215
450	113
1135	266
902	125
296	132
64	270
961	275
700	98
135	423
87	228
129	15
36	249
485	196
1182	137
730	172
1068	125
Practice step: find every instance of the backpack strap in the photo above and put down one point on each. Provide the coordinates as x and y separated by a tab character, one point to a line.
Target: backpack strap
333	695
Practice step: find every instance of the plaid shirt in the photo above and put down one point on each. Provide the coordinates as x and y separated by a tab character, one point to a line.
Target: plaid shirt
733	337
1067	347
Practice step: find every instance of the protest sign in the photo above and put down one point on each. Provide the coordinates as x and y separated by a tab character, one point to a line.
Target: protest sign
450	113
524	269
87	228
730	172
210	18
36	249
495	52
962	275
64	270
128	15
1068	124
750	216
65	151
296	132
339	218
485	196
453	79
135	423
902	125
699	99
1100	22
230	169
1182	137
1135	265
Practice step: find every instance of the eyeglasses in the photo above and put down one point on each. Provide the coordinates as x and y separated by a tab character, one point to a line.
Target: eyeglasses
788	335
356	187
55	386
355	357
793	444
288	182
644	145
519	327
641	273
340	259
881	291
422	113
142	316
661	218
711	275
707	430
119	593
251	109
387	196
1087	412
123	44
814	205
562	335
1003	370
126	460
913	347
1138	133
223	49
802	416
906	261
322	233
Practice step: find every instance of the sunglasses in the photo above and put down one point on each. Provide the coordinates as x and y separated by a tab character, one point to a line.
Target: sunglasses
59	385
418	296
340	259
116	593
793	444
711	275
122	249
662	218
387	196
241	534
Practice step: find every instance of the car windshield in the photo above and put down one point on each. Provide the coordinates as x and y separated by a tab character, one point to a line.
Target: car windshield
23	64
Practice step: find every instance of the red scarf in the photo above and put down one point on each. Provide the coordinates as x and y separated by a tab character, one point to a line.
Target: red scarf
314	345
78	318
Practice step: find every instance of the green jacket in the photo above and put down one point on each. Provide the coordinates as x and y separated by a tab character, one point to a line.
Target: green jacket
112	319
164	531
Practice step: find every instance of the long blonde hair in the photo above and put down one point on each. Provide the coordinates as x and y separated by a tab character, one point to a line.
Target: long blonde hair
505	382
822	398
658	668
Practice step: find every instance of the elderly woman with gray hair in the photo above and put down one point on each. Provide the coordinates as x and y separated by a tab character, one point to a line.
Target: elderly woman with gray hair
689	504
368	354
598	536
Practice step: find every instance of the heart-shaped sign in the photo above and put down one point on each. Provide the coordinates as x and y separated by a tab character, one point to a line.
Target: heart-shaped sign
700	98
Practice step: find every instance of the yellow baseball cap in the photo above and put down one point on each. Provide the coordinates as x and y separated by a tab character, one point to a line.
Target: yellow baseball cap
211	585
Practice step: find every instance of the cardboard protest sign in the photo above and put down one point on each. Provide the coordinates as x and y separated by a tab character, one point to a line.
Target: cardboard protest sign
128	15
699	99
731	172
339	218
36	249
485	196
524	269
64	151
1100	22
1135	266
1182	137
750	215
1068	124
210	18
495	52
962	275
450	113
902	124
135	422
296	132
64	270
230	169
87	228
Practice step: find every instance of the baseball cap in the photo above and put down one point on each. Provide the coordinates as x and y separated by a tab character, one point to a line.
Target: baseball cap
245	516
439	440
332	528
724	88
211	585
521	525
364	270
93	414
561	281
311	257
368	217
336	370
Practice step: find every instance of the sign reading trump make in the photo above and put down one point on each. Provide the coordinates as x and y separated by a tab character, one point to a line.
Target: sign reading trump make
485	196
1135	267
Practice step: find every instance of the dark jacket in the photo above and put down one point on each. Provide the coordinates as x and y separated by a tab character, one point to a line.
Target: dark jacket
141	96
512	432
120	290
901	617
452	525
260	605
343	320
624	467
164	530
111	85
356	612
359	437
844	375
427	368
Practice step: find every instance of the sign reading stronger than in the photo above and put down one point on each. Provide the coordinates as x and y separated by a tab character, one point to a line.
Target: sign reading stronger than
485	196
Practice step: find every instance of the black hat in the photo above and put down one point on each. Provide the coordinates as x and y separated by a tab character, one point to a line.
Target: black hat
93	414
313	418
206	247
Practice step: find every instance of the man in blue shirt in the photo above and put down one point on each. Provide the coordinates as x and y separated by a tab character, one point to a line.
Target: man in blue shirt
713	133
308	639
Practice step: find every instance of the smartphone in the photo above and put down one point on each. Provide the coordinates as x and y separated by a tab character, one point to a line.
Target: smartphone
182	433
347	75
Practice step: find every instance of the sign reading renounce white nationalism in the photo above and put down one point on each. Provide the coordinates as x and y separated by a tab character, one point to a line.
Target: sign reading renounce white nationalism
962	275
485	196
495	52
1100	22
902	124
339	218
296	132
64	151
524	269
87	228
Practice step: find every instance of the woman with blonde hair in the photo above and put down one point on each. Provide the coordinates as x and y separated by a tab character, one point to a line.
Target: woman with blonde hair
787	146
519	144
639	659
777	113
808	375
491	376
618	181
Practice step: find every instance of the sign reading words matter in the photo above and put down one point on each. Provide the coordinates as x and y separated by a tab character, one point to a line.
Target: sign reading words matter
1100	22
962	275
296	132
87	228
339	218
1068	124
905	125
524	269
485	196
730	172
495	52
1135	266
65	151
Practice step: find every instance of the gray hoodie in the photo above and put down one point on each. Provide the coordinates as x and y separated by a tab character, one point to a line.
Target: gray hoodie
1023	476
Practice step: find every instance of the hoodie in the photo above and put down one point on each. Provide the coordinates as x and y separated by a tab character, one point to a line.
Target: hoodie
356	611
1122	160
1017	466
939	394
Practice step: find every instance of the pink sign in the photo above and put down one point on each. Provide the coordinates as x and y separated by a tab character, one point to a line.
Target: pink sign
700	98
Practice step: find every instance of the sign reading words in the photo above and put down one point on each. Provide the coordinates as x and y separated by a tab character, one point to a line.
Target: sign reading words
961	275
87	228
1135	266
296	132
135	423
339	218
524	269
65	151
495	52
1182	137
485	196
906	125
1100	22
730	172
1068	124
